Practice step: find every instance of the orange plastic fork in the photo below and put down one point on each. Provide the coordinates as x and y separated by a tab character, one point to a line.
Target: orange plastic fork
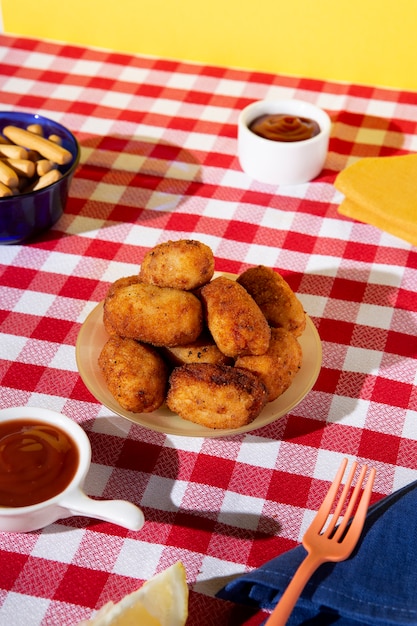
328	543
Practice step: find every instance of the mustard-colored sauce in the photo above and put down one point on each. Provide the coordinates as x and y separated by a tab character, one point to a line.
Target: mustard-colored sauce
282	127
37	461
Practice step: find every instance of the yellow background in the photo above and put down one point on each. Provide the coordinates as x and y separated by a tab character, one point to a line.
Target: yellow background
363	41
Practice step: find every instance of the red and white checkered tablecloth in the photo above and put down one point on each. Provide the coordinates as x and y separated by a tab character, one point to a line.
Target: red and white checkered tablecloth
158	140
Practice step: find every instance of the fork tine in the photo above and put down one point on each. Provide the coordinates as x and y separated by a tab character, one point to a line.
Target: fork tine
358	520
326	506
351	504
341	502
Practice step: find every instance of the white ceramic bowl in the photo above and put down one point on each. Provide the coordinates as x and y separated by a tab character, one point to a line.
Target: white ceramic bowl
282	162
71	500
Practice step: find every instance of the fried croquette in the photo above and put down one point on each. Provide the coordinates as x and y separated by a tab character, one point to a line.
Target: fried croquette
183	264
157	315
202	350
125	281
277	367
215	396
235	321
135	374
275	298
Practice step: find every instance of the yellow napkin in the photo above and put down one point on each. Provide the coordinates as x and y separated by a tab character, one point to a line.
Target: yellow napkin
382	191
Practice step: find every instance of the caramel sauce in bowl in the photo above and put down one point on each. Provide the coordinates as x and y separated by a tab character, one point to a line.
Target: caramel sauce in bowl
283	142
44	459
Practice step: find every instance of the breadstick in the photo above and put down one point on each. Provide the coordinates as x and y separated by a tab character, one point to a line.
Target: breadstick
36	129
47	179
22	167
56	139
5	190
46	148
43	166
8	176
13	152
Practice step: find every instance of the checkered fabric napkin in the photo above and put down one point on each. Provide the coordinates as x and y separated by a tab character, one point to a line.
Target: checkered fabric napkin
158	142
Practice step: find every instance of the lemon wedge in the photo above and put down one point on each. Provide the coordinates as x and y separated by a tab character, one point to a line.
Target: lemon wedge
161	601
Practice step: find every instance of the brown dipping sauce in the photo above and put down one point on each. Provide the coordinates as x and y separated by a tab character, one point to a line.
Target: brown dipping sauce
282	127
37	461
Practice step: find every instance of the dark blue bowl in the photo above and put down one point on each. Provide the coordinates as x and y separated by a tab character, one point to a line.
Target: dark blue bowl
26	215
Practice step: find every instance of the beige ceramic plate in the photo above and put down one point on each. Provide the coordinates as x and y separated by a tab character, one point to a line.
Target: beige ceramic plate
92	338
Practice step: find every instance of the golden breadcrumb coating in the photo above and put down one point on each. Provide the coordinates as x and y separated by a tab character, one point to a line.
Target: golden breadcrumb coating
279	365
157	315
275	298
215	396
183	264
235	321
202	350
125	281
135	374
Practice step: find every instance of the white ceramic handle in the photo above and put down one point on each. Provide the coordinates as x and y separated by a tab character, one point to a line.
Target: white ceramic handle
118	512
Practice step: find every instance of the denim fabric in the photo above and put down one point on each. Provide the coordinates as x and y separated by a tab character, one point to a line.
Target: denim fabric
377	585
